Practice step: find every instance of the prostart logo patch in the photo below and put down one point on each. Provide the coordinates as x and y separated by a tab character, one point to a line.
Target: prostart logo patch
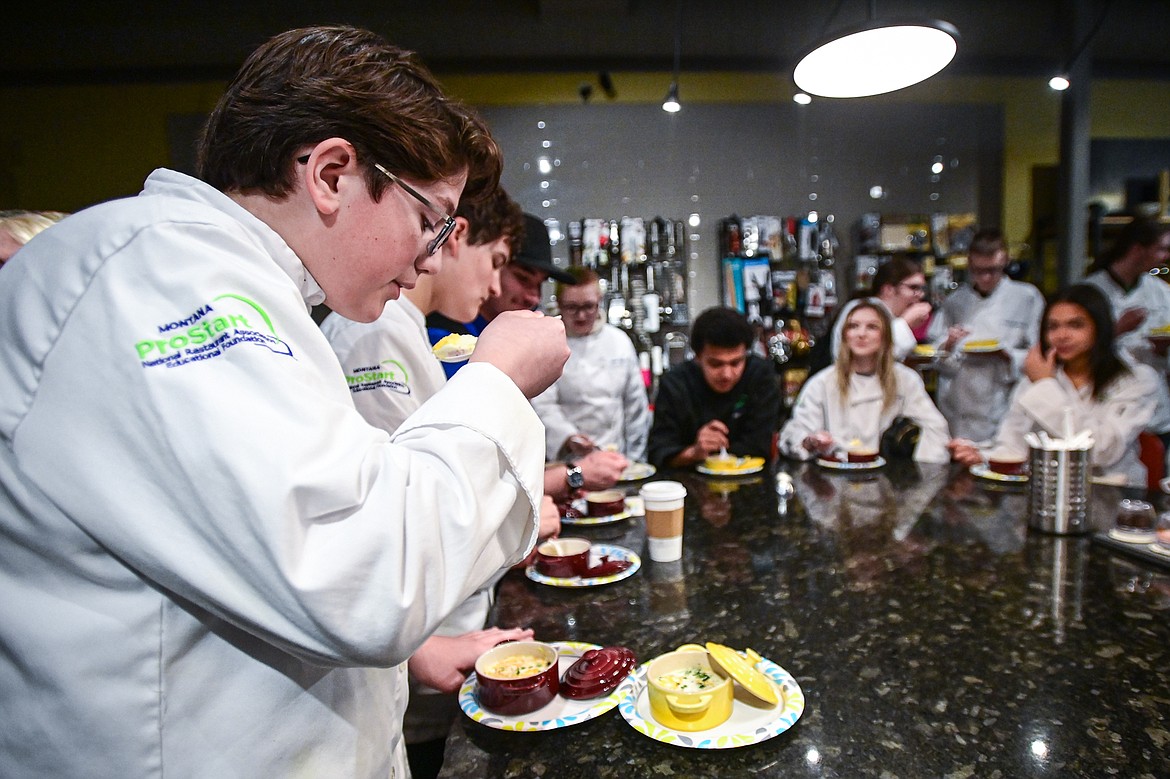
229	320
388	375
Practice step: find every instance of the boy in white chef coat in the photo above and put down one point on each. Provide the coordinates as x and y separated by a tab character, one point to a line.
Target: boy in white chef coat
975	385
212	564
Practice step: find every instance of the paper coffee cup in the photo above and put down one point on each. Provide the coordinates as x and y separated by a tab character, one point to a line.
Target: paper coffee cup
664	501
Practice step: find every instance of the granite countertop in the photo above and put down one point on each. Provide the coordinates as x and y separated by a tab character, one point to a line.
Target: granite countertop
932	634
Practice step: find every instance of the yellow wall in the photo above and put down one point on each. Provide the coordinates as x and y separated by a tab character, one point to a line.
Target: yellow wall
66	147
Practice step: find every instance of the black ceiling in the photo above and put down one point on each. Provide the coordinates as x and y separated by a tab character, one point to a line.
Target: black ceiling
112	41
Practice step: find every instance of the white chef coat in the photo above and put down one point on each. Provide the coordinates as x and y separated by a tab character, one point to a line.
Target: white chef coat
1116	419
818	407
974	390
388	363
601	393
1153	295
205	553
391	372
903	336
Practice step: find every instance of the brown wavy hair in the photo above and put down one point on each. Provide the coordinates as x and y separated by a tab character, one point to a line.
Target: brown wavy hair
306	85
885	356
492	217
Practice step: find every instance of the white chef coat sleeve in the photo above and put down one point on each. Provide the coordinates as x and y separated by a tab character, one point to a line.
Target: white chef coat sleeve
904	340
917	405
557	426
946	363
936	333
636	412
809	415
1115	420
1031	301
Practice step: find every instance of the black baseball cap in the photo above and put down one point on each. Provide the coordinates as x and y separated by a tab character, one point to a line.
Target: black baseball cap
536	251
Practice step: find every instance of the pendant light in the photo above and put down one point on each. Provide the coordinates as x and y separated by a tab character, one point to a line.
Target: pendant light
670	104
876	57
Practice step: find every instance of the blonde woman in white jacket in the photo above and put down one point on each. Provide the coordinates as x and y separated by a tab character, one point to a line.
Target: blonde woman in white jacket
849	404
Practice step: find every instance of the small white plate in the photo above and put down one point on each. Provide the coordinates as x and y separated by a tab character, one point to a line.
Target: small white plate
560	712
580	506
983	472
837	465
637	472
748	724
595	554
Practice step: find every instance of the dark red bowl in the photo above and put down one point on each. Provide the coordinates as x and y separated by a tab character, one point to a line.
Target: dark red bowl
563	558
1007	467
515	696
605	503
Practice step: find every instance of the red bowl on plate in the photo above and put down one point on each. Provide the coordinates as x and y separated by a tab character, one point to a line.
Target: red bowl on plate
563	558
597	673
1007	467
862	456
605	503
517	677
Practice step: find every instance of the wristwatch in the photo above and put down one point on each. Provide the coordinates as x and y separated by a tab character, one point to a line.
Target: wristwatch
574	477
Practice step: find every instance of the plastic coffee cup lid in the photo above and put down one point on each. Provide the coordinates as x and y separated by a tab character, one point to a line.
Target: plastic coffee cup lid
663	490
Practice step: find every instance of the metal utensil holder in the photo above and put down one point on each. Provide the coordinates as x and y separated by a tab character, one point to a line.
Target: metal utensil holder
1059	490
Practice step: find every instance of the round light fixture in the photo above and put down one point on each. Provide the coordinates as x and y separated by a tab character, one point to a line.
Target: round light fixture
1059	83
877	57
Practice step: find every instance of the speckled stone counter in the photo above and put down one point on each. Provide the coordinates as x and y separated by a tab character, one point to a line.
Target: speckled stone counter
932	633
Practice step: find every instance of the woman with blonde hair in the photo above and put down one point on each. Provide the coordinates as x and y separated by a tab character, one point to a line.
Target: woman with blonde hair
848	405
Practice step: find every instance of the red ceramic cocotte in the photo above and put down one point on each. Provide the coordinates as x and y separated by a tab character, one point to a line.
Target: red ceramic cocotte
522	694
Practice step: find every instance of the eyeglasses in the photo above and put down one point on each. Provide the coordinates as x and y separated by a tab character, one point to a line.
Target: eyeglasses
444	231
584	308
915	288
448	225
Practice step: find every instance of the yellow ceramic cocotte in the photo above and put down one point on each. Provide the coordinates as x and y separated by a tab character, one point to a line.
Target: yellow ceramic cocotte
686	693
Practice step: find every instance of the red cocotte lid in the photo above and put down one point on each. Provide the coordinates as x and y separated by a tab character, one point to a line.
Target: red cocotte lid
598	672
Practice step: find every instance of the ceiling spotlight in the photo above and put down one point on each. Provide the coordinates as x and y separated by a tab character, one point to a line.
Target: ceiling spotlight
1059	82
877	57
802	98
671	105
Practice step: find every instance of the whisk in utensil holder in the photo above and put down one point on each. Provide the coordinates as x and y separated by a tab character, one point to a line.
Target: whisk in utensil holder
1059	490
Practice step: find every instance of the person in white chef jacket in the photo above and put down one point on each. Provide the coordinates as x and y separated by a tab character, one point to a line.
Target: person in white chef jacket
212	565
407	375
600	401
1075	376
849	404
975	385
1140	303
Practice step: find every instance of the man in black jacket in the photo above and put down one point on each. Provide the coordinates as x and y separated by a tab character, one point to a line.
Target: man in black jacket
725	398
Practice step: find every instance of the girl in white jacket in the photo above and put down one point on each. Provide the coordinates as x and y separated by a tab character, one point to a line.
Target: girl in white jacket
849	404
1076	370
